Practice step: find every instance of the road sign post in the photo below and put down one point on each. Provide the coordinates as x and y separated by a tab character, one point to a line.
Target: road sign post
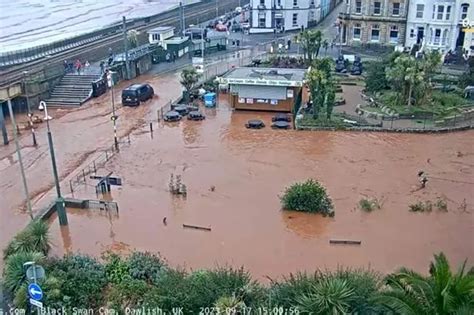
33	273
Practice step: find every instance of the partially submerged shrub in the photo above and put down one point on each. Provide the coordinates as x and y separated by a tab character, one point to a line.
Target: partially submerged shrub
442	205
421	206
369	205
309	196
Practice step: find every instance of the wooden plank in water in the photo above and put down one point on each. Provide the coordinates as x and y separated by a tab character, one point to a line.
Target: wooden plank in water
351	242
189	226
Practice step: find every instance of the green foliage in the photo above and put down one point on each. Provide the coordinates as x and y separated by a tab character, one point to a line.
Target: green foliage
369	205
130	293
309	196
189	78
442	292
83	280
421	206
116	268
322	86
34	238
14	273
146	266
442	205
376	77
310	42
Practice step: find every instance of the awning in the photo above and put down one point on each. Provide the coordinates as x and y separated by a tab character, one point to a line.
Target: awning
258	91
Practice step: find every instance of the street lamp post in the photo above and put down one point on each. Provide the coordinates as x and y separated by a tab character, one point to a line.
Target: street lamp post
60	205
20	160
30	114
217	9
114	117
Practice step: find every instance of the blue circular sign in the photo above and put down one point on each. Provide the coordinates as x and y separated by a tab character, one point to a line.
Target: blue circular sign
35	292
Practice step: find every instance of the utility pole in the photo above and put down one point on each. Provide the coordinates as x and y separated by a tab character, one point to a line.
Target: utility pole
217	8
20	160
3	127
110	81
125	46
183	25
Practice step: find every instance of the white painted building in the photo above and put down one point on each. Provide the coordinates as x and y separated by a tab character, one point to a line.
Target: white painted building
436	24
283	15
467	14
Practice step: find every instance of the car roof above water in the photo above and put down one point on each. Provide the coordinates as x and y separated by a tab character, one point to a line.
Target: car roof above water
134	87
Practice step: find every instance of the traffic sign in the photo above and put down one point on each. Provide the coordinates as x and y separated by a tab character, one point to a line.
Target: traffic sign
35	272
36	303
35	291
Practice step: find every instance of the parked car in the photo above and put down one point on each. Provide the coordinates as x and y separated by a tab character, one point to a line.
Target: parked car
172	116
221	28
196	115
281	117
181	109
136	93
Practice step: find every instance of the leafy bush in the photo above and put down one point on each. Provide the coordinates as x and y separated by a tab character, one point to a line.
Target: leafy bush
116	268
130	293
146	266
309	196
442	205
369	205
376	79
83	280
421	206
34	238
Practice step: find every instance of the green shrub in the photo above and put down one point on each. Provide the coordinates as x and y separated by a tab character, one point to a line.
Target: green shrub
34	238
146	266
14	273
421	206
369	205
83	280
116	268
130	293
442	205
309	196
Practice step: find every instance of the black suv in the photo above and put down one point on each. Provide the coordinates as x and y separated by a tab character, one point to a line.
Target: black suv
136	93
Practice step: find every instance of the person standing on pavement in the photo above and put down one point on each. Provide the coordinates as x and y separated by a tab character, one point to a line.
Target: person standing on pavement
78	66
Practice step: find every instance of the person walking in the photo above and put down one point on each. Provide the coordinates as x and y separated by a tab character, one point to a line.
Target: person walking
78	66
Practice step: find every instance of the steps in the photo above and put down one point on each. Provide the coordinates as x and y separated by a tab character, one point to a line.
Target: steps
72	91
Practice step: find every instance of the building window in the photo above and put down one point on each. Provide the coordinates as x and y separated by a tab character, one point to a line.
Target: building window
295	19
357	31
295	3
464	8
396	8
412	33
358	7
375	35
448	12
437	36
434	11
377	7
440	12
445	36
394	34
262	2
279	3
419	11
261	20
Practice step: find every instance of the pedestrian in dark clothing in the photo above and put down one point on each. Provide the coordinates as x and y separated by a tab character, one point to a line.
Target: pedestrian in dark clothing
174	57
66	66
289	44
78	66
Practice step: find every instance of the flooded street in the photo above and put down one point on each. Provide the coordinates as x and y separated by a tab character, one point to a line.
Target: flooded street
249	170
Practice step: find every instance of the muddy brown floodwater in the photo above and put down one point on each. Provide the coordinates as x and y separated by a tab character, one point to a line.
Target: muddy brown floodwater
251	168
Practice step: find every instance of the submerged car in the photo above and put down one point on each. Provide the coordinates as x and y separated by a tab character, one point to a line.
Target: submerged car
255	124
136	93
196	115
281	117
182	109
281	125
172	116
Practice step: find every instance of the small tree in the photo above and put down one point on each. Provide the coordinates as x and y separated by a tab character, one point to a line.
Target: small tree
132	38
376	79
189	78
310	42
309	196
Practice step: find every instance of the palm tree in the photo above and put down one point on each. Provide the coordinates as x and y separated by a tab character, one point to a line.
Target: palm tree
34	238
132	38
14	273
440	293
310	42
329	296
189	78
407	77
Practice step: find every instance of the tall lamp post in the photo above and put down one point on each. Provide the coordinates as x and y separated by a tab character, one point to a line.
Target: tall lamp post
30	114
110	82
60	204
20	160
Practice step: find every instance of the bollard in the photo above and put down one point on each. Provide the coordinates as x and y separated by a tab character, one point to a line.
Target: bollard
84	175
70	186
95	168
151	127
106	156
